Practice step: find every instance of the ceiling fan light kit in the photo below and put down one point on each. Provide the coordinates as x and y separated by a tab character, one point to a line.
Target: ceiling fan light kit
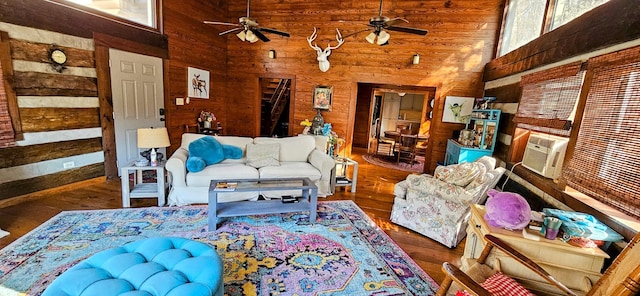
249	29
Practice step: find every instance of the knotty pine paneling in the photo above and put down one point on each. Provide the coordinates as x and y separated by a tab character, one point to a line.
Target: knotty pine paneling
194	44
460	41
21	155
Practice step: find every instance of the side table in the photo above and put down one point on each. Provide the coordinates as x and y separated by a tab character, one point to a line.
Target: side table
340	174
577	268
141	189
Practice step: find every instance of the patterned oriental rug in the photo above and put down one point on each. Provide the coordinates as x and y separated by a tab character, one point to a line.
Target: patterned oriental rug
344	253
391	162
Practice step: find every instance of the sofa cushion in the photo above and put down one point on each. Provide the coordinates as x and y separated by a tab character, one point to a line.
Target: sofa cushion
291	170
240	142
262	155
221	171
291	148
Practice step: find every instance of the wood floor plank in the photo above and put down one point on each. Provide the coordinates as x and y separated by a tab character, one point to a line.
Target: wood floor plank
374	195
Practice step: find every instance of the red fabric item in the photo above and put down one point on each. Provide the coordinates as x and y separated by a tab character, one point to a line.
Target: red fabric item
502	285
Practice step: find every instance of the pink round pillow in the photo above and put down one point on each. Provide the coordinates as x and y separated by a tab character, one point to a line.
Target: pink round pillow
507	210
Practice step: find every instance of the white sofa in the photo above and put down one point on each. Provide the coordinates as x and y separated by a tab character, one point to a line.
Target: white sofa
438	207
298	157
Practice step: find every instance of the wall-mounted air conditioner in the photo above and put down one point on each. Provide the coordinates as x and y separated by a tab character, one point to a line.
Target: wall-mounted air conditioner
544	154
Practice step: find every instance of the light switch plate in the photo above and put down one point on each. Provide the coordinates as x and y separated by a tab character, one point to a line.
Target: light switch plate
179	101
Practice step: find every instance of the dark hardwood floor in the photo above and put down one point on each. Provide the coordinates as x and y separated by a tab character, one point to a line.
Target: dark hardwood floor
374	195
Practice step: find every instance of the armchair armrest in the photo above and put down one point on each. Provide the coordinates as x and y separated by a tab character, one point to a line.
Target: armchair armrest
454	274
176	166
323	162
493	241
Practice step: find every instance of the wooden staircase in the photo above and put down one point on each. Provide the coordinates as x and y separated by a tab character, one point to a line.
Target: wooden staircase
274	115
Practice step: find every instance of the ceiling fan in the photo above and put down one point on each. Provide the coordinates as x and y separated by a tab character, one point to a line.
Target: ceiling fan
381	23
249	29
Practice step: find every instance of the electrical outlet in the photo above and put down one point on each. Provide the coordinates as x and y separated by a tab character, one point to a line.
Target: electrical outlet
68	165
179	101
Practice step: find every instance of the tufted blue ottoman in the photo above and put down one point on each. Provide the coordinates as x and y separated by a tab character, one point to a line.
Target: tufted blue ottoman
150	267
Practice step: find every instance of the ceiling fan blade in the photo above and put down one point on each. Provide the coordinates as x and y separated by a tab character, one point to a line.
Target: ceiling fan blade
260	35
229	31
354	33
219	23
274	31
408	30
395	21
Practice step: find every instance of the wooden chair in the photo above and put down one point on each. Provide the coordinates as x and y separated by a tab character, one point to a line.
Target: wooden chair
407	148
622	278
383	141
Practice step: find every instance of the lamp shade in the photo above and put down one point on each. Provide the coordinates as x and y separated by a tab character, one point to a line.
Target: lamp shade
383	37
371	38
153	137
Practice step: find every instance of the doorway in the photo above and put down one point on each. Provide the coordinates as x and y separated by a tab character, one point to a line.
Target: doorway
275	106
382	107
138	100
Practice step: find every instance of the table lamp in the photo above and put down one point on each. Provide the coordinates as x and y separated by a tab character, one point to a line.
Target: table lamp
153	138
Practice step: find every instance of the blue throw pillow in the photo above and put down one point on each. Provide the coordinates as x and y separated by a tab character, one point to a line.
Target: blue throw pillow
232	152
195	164
207	148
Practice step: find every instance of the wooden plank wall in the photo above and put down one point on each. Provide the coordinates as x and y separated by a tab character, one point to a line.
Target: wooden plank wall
460	42
610	27
195	44
58	111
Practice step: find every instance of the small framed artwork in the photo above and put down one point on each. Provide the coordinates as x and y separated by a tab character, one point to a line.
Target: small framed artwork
198	83
457	109
322	96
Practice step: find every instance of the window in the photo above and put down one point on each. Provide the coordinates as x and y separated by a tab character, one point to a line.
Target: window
549	99
143	12
527	19
606	159
522	24
567	10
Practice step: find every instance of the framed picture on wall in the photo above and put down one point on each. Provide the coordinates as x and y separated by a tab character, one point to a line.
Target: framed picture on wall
322	96
457	109
198	83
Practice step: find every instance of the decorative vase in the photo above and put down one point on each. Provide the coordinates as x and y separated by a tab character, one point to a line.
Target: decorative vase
207	124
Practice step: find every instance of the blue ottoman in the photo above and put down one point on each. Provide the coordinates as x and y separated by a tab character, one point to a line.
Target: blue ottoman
150	267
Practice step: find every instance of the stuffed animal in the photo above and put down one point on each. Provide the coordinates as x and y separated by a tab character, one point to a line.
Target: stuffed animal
207	151
507	210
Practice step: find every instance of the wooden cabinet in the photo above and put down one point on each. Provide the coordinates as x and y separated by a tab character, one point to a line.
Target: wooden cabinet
577	268
485	125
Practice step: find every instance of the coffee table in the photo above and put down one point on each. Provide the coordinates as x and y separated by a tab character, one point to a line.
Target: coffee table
308	201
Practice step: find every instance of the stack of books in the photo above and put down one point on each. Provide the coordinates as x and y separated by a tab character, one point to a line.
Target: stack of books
226	186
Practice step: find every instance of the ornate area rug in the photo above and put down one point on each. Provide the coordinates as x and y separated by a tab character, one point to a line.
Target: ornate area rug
390	162
343	253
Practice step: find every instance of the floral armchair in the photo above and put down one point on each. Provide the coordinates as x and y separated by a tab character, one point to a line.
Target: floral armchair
438	206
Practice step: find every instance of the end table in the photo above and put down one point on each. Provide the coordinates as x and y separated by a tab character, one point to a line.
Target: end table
339	174
141	189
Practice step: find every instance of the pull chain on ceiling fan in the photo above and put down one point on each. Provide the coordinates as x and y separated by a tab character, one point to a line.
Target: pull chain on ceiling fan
249	29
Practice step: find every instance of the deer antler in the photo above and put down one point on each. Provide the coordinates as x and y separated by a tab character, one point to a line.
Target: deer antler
340	41
312	38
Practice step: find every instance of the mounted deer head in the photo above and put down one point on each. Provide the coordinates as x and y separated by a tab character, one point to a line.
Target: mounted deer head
323	55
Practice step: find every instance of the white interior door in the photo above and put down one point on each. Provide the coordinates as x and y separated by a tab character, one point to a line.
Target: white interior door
138	100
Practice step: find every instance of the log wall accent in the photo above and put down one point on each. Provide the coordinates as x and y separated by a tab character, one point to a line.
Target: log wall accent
68	103
461	40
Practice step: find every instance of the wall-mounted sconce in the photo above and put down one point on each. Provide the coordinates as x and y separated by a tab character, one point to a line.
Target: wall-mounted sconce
272	54
416	59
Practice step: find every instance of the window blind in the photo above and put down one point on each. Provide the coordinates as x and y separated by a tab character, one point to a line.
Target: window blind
549	98
606	160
